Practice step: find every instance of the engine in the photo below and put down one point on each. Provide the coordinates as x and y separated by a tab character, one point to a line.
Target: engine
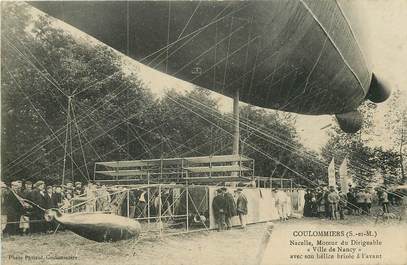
350	122
378	91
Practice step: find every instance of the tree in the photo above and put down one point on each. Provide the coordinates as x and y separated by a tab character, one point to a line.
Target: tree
63	97
273	142
395	121
365	160
189	122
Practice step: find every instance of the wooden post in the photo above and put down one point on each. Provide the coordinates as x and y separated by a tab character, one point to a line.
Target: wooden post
263	244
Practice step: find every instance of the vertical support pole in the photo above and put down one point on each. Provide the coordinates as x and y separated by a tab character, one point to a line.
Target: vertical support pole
187	203
94	172
281	183
159	209
210	166
182	171
161	169
236	130
240	166
128	203
148	199
253	170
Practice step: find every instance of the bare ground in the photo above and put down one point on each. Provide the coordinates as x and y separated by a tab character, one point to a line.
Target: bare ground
228	247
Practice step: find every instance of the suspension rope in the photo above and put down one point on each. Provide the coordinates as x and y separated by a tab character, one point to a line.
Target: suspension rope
58	132
66	141
294	148
189	20
38	112
80	141
185	43
36	68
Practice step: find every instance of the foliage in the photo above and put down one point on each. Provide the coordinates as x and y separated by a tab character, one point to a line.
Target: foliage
68	98
42	67
367	164
396	121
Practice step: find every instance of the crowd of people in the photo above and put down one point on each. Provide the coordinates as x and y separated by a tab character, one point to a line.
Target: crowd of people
23	203
328	202
225	206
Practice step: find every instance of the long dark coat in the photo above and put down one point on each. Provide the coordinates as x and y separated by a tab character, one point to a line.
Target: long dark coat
219	205
230	205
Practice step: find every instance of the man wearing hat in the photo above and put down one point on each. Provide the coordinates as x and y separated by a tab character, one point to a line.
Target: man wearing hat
78	191
14	208
25	219
28	186
69	185
57	197
241	207
4	193
39	197
48	197
230	209
219	206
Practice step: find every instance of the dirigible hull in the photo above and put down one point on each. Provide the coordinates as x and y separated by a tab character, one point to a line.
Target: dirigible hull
100	227
299	56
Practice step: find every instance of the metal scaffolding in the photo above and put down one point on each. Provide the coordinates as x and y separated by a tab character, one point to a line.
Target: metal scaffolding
185	179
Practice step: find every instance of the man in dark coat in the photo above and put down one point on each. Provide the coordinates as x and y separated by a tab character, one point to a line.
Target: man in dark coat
57	197
26	194
14	209
343	201
326	202
219	206
48	197
25	219
38	196
230	210
307	204
351	199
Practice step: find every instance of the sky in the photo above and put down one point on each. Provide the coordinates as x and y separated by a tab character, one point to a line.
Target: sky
380	27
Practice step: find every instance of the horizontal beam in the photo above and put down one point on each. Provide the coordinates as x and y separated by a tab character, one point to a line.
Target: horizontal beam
175	161
214	169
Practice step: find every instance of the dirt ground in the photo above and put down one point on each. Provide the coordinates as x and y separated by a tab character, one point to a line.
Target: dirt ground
228	247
